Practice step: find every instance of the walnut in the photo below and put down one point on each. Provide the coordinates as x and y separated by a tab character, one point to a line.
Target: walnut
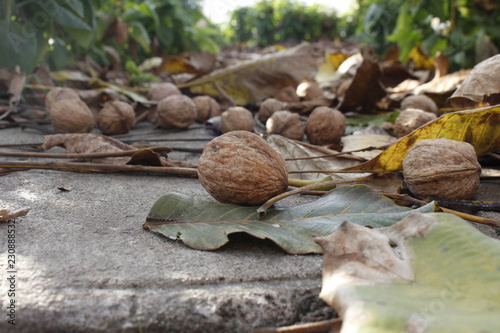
287	95
240	168
58	93
442	168
71	116
206	108
325	126
420	102
177	111
115	118
287	124
163	90
237	118
411	119
309	90
268	107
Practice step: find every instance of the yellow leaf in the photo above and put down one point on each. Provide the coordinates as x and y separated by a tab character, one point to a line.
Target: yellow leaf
479	127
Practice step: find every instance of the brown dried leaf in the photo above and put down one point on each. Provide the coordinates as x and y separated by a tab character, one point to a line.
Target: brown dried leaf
6	214
98	143
291	149
255	80
481	85
365	89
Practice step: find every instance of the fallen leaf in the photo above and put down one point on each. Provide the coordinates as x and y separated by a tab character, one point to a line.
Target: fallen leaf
6	214
301	154
442	278
255	80
481	85
205	225
479	127
367	142
365	89
88	143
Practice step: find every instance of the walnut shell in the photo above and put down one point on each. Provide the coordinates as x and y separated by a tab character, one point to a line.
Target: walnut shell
325	126
268	107
309	90
411	119
237	118
163	90
442	168
206	108
287	95
71	116
421	102
115	118
240	168
59	93
287	124
177	111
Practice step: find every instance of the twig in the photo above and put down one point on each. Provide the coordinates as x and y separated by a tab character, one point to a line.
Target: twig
325	326
83	155
263	209
469	217
334	154
104	168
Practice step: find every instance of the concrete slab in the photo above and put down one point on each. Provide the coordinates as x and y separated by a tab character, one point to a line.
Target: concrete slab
84	263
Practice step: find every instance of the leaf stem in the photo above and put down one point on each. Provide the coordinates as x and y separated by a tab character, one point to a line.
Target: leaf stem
263	209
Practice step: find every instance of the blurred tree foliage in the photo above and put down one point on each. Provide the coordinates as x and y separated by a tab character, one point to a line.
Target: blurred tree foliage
465	31
275	21
60	31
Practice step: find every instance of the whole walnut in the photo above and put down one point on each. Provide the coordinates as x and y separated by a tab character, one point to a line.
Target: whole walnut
206	108
71	116
240	168
442	168
163	90
287	95
59	93
325	126
237	118
268	107
411	119
115	118
309	90
176	111
287	124
420	102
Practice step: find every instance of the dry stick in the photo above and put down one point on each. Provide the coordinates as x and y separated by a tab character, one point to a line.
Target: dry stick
334	154
106	168
472	218
83	155
325	326
263	209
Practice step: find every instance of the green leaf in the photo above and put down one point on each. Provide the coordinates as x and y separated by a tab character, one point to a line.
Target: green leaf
446	280
205	225
76	6
139	33
66	18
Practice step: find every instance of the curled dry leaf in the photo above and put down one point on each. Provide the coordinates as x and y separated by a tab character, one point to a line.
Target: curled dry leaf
255	80
301	153
365	89
481	85
442	278
6	214
97	143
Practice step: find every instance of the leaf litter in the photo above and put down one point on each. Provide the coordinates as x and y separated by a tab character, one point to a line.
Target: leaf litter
433	247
